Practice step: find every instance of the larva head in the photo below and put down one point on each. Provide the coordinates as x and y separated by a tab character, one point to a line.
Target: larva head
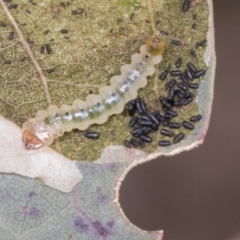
36	134
155	45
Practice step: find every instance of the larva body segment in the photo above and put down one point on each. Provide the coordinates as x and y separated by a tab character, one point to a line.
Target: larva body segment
52	123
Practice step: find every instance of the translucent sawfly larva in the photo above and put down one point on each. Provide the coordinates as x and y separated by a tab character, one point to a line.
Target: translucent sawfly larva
52	123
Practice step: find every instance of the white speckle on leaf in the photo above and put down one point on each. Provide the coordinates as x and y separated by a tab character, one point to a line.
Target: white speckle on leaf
52	168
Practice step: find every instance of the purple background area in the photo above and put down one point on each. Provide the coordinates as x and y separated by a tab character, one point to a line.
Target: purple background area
196	195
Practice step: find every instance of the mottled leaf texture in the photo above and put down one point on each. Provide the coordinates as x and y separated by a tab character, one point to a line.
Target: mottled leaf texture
53	52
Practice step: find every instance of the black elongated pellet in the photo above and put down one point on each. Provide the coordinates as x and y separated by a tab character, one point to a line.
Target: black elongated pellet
196	118
168	116
2	24
172	112
51	70
147	130
186	5
171	83
193	85
178	137
136	132
188	125
174	125
154	127
164	102
166	132
144	118
164	143
188	94
182	86
186	101
189	74
192	67
92	135
12	6
184	79
200	44
146	138
141	143
134	142
127	144
23	59
164	33
11	36
176	73
8	62
153	119
179	93
163	75
143	105
178	62
176	42
193	53
49	50
199	73
145	123
42	50
168	68
133	121
171	93
64	30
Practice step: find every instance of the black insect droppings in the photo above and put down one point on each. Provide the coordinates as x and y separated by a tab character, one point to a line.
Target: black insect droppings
164	143
185	5
178	137
196	118
92	135
178	62
188	125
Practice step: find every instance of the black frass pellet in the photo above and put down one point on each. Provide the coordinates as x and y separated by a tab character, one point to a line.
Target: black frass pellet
192	67
134	142
176	73
185	5
188	125
179	94
164	143
166	132
141	143
147	130
92	135
178	62
171	93
2	24
193	53
127	144
171	83
163	75
174	125
164	33
136	132
196	118
153	119
182	86
131	108
146	138
189	74
11	36
193	85
178	137
199	73
133	121
188	94
184	79
176	42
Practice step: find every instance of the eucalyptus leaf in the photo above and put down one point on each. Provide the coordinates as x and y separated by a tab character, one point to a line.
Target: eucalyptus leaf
56	52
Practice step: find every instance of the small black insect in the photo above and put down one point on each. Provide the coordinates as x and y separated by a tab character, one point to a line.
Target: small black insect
193	85
11	36
176	42
188	125
171	83
12	6
186	5
49	50
64	31
92	135
199	73
164	143
193	53
178	137
174	125
166	132
164	33
178	62
192	67
2	24
196	118
127	144
176	73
